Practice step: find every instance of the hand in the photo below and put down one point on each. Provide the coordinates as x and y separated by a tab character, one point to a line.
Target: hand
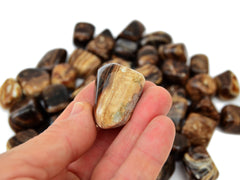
73	148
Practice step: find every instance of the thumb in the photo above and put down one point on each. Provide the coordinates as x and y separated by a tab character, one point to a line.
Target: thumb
64	141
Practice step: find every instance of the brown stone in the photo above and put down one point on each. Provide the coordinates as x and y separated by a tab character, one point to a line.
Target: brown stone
120	61
147	55
118	90
180	146
176	90
199	64
167	169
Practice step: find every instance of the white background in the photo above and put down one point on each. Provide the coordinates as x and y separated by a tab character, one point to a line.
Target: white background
28	29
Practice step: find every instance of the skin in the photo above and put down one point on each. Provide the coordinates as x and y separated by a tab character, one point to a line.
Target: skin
73	148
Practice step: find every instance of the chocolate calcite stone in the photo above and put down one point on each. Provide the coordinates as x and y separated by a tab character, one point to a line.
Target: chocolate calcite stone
176	90
10	93
102	45
201	85
151	73
147	55
20	138
199	64
52	58
178	111
120	61
167	169
180	146
173	51
175	72
55	98
133	31
33	81
227	85
25	114
199	164
64	74
230	119
118	90
156	39
83	33
84	62
198	129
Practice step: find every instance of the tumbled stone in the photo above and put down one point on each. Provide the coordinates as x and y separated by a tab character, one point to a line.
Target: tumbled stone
147	55
156	39
33	81
64	74
227	85
20	138
52	58
199	64
25	114
180	146
176	90
55	98
178	111
198	129
230	119
120	61
199	164
118	90
83	33
133	31
102	45
10	93
201	85
167	169
84	62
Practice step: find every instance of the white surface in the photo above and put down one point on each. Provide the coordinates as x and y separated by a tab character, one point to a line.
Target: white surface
29	29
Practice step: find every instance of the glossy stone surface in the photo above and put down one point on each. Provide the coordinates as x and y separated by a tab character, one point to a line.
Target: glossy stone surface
20	138
180	146
156	39
133	31
227	85
173	51
10	93
102	45
199	164
25	114
118	90
230	119
199	64
147	55
178	111
84	62
33	81
64	74
151	73
167	169
83	33
55	98
198	129
201	85
52	58
120	61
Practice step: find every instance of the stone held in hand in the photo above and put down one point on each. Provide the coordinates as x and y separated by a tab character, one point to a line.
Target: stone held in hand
118	90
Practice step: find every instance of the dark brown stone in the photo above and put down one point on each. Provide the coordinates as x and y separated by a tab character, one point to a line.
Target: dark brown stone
147	55
52	58
27	113
167	169
201	85
64	74
156	39
151	73
227	85
20	138
199	164
175	72
133	31
176	90
83	33
55	98
120	61
178	111
102	45
230	119
180	146
33	81
198	129
176	52
199	64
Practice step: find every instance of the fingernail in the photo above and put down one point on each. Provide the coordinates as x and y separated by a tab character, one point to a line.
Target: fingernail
77	108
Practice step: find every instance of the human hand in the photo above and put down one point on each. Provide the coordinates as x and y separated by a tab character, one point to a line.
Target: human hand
73	148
